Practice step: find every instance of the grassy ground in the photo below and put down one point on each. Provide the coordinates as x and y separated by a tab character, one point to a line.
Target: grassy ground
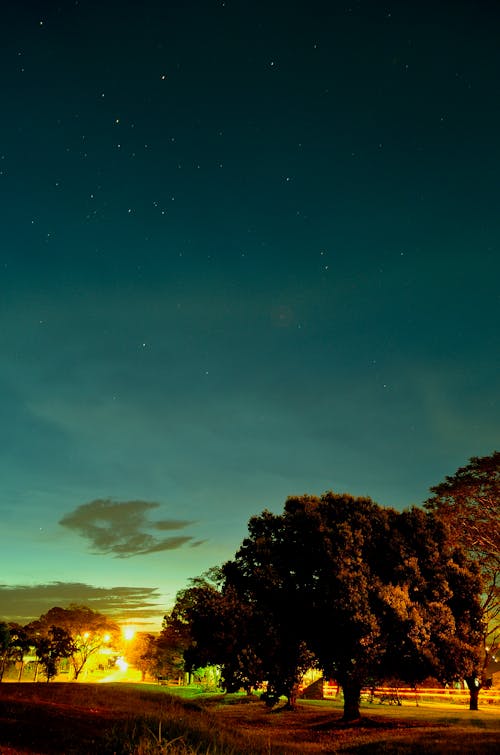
78	719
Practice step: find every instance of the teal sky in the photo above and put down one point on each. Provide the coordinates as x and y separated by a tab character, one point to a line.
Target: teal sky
247	250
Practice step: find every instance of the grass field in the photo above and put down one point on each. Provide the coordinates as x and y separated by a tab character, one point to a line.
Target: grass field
79	719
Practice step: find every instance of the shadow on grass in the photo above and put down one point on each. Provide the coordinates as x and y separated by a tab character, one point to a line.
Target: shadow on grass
337	724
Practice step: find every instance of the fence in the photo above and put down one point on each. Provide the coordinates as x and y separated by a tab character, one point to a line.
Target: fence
396	695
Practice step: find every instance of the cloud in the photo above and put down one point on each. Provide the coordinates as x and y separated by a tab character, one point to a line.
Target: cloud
23	603
121	527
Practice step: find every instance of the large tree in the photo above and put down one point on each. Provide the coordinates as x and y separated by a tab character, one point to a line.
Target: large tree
362	591
468	502
368	591
89	630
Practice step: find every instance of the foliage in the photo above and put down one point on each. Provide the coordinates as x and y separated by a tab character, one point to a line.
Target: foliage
372	590
18	646
197	626
270	617
51	647
14	643
144	654
89	630
468	502
225	629
170	647
4	647
363	591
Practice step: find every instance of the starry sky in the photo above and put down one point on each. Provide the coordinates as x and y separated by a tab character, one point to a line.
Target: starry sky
247	250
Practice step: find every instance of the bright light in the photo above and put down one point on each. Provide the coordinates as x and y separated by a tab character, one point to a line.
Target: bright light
106	638
128	633
86	635
122	664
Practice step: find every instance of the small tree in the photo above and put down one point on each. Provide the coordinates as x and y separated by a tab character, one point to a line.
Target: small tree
211	626
19	644
51	647
197	627
4	647
143	654
169	649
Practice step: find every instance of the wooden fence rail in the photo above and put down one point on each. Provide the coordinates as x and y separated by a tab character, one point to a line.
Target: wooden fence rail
396	695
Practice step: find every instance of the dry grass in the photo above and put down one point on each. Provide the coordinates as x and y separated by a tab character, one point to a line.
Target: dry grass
77	719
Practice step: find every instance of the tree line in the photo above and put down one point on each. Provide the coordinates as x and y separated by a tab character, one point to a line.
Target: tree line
361	592
75	633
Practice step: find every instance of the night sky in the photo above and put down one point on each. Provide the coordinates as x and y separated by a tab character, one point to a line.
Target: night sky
248	250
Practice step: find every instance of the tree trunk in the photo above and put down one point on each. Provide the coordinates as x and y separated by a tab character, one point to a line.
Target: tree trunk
352	694
292	698
474	699
474	686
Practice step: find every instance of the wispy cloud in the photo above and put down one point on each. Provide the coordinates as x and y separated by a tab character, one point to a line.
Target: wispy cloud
23	603
121	527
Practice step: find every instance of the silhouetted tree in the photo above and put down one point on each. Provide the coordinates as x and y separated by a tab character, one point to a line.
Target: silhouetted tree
388	595
143	654
212	627
18	646
362	591
197	625
366	591
50	647
271	620
4	647
89	630
468	502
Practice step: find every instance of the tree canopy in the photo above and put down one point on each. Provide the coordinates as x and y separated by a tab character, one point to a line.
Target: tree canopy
14	643
361	591
4	646
88	629
201	625
51	646
468	502
144	654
